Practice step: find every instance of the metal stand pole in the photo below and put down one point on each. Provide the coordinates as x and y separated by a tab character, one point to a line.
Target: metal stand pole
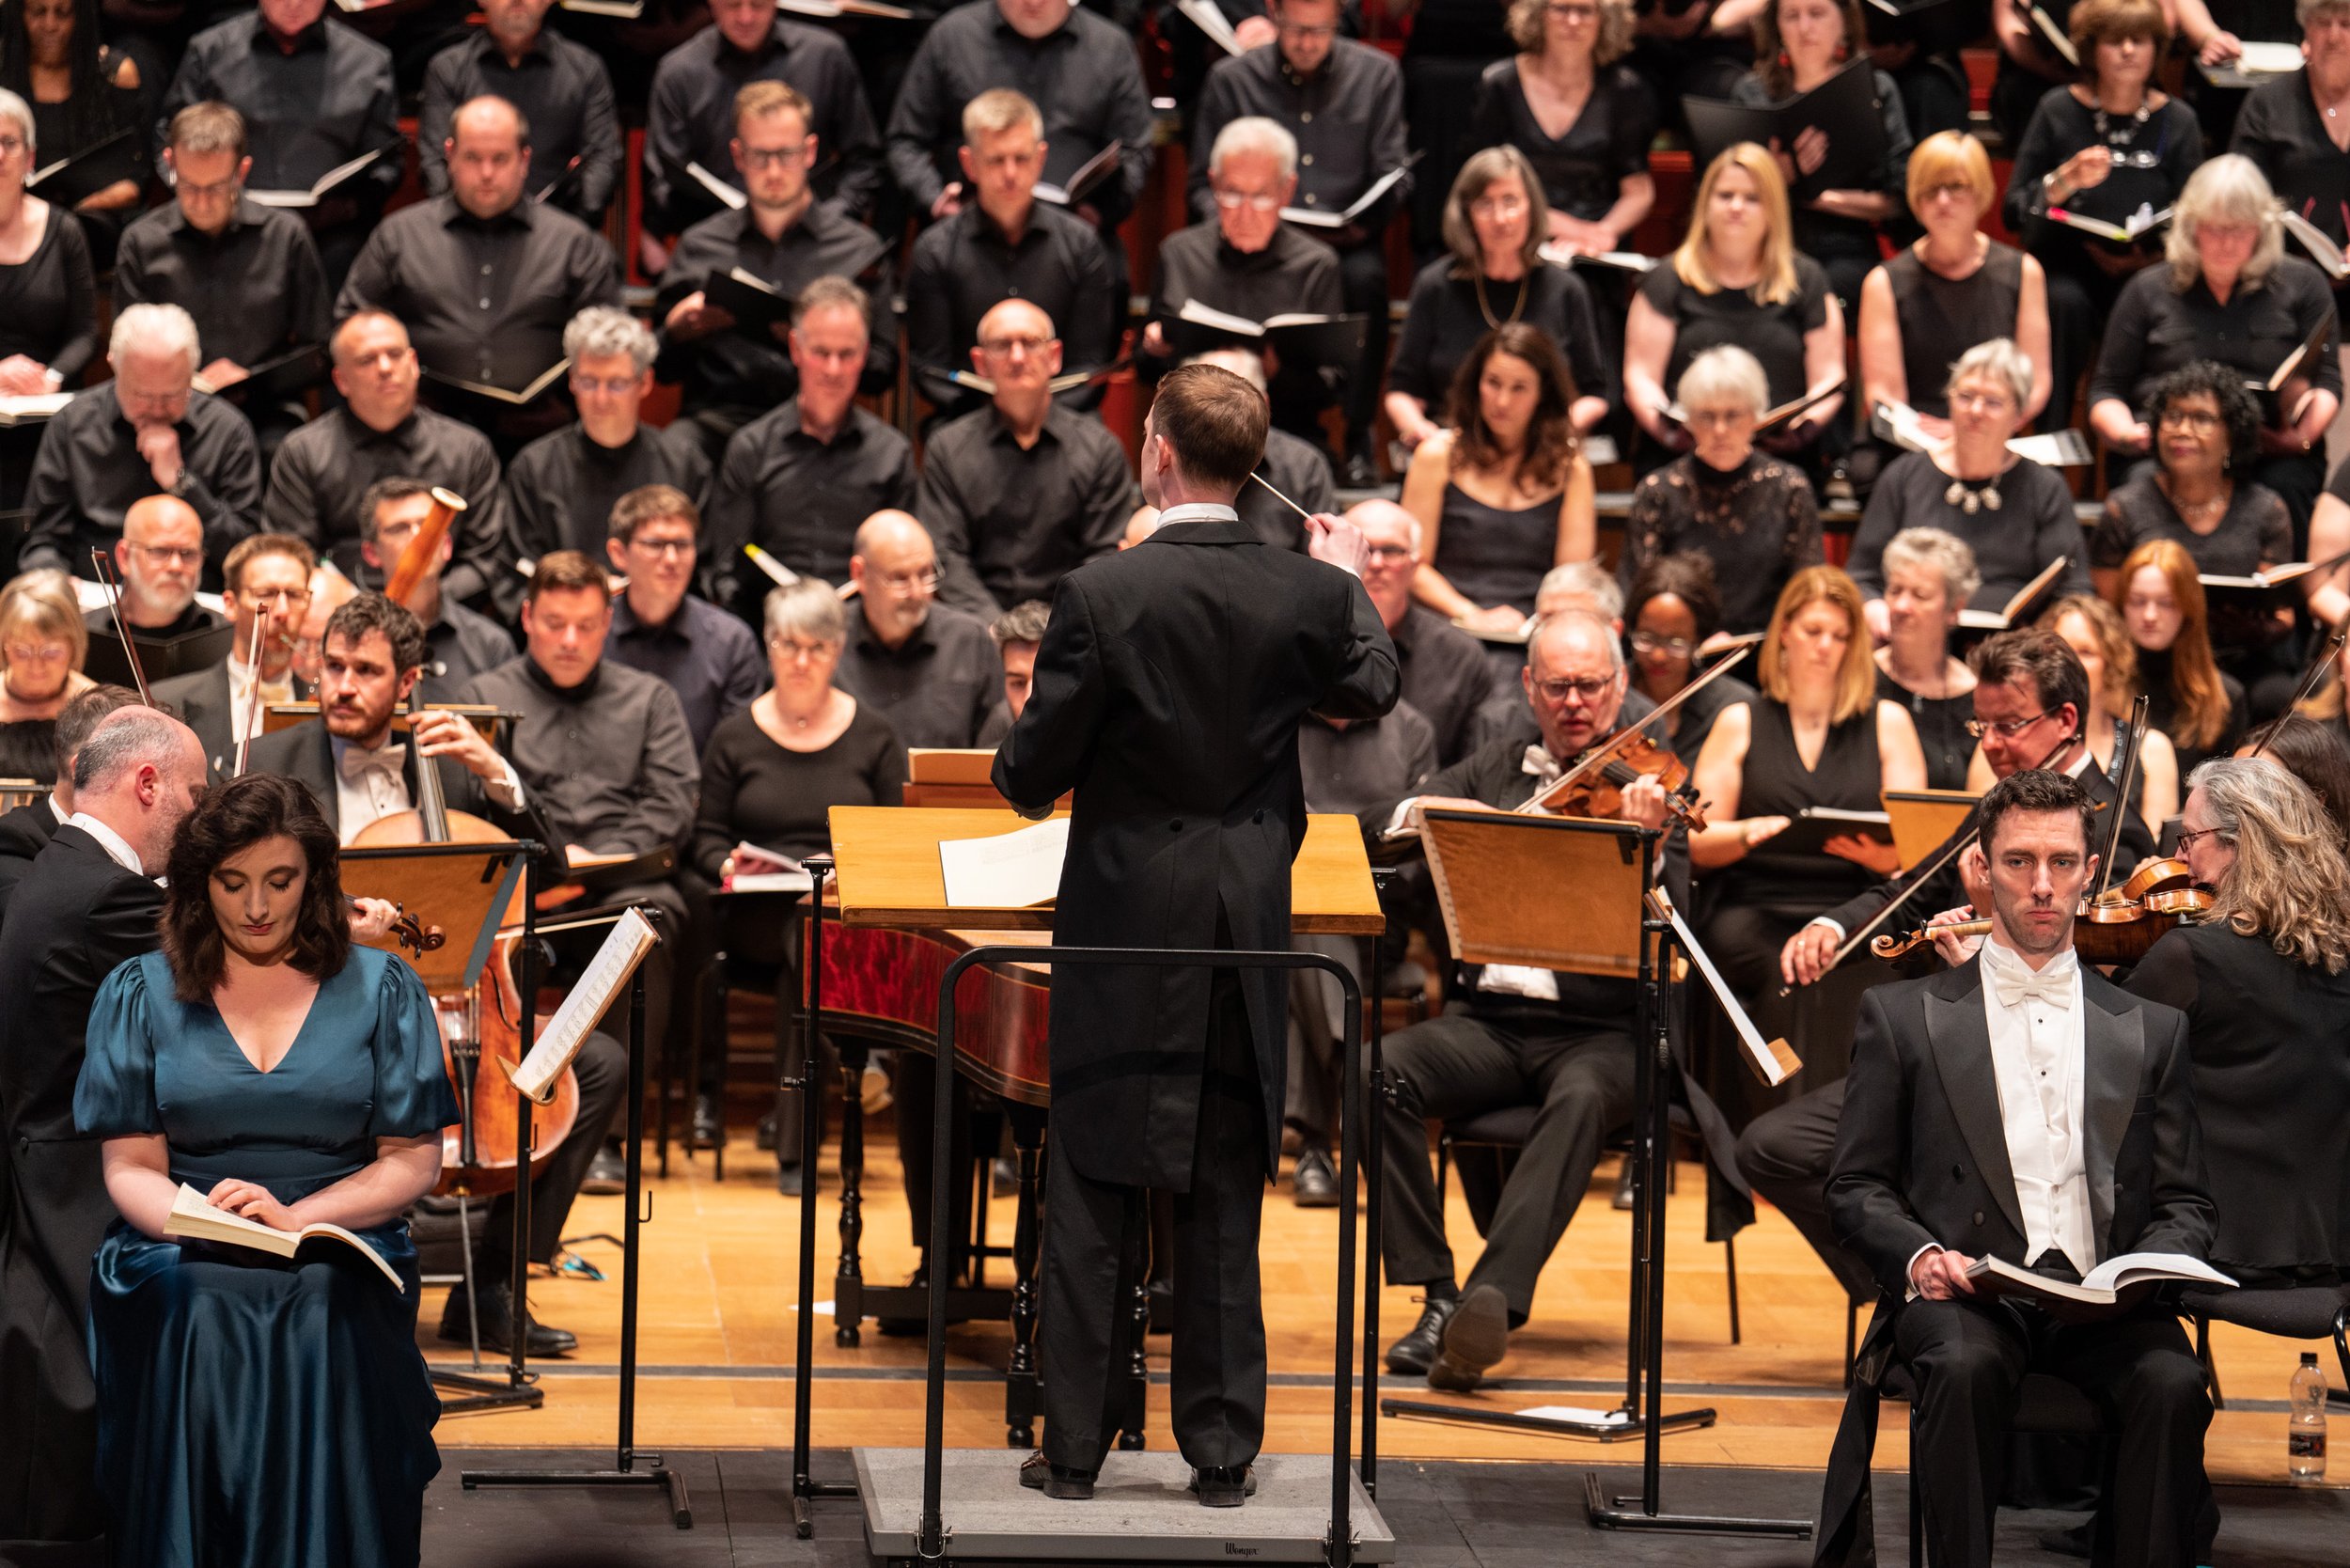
624	1455
1369	1106
805	1489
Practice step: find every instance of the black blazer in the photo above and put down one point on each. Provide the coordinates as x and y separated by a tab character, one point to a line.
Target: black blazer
205	701
1169	690
24	833
306	751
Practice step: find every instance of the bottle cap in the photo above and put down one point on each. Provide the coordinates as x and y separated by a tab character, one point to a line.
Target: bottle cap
2308	1358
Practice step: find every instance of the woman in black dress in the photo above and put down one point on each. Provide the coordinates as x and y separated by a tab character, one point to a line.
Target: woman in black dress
2263	979
2230	294
2190	698
1738	279
1929	576
44	641
1492	274
48	323
770	776
1817	736
2296	128
1505	494
2015	516
1798	44
2104	150
1950	290
1752	515
1671	614
1581	117
88	111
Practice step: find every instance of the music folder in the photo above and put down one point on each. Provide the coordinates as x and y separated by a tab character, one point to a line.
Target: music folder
1923	819
1199	327
2013	611
756	305
324	183
1934	26
34	180
526	396
1318	217
1082	181
1810	828
1845	107
280	378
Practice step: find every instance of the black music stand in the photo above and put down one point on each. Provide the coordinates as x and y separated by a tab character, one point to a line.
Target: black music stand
805	1489
464	890
624	1471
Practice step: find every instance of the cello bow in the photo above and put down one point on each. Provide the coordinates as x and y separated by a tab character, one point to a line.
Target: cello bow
112	584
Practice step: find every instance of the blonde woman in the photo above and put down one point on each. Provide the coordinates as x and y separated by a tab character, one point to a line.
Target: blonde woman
44	641
2263	979
1737	278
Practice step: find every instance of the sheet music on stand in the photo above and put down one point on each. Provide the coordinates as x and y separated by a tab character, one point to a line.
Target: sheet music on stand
1774	1061
624	947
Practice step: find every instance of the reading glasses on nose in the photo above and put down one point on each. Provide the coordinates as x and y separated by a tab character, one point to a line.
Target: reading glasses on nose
1587	691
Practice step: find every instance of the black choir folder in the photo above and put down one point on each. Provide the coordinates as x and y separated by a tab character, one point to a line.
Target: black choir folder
1313	339
195	1219
1809	829
1934	27
1845	107
2128	1276
756	305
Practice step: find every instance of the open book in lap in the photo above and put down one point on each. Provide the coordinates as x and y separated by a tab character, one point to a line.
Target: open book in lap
2114	1285
194	1219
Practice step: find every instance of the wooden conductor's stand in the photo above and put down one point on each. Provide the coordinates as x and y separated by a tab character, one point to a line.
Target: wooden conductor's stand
1584	897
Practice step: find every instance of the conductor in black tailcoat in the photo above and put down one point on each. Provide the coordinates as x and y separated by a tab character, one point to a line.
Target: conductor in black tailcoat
1167	694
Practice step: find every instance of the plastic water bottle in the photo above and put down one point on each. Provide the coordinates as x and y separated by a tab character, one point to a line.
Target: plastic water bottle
2305	1442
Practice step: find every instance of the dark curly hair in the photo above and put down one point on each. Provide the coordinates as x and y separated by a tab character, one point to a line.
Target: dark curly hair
1550	438
231	819
1689	576
2238	409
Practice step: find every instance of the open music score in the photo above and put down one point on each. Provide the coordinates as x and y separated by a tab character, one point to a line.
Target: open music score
624	947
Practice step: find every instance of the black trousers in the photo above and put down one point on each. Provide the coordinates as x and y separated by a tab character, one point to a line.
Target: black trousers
1363	286
602	1067
1462	1064
1785	1154
1968	1360
1094	1236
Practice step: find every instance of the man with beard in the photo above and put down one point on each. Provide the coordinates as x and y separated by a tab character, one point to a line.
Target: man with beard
159	557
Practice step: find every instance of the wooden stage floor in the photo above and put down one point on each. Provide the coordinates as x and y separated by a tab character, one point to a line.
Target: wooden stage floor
718	1322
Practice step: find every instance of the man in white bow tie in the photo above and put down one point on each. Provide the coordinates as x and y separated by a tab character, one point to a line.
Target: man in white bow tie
2021	1106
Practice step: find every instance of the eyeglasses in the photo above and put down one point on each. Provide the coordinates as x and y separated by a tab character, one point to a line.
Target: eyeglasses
1386	553
11	145
1723	417
794	649
2187	837
900	582
37	653
1953	189
1498	207
1298	30
613	386
1007	345
1232	201
2008	728
1648	642
172	554
2195	422
771	157
281	598
188	187
1982	403
1585	690
661	548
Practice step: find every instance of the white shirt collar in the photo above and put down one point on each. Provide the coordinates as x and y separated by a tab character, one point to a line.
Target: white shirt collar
117	848
1997	955
1197	511
58	814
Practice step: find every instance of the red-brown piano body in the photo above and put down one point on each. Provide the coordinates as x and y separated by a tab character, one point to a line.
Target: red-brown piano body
882	983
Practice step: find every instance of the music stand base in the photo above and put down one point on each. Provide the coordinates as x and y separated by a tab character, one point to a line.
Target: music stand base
1556	1426
478	1395
804	1503
680	1509
1625	1513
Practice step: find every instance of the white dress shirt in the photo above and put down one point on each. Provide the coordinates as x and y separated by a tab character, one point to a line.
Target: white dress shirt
1197	512
2037	1046
370	785
117	848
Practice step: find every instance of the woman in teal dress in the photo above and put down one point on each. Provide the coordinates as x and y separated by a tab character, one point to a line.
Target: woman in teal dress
257	1411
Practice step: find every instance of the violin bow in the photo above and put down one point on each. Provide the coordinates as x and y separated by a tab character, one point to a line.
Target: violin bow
252	701
2124	782
1600	753
112	584
2316	672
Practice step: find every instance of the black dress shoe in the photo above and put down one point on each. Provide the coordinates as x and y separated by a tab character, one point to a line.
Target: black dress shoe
787	1180
766	1135
1622	1201
915	1327
1414	1353
1223	1486
607	1174
1474	1342
1039	1474
1314	1185
494	1306
710	1123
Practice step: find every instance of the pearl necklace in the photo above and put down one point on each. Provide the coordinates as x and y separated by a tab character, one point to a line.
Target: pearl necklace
1980	496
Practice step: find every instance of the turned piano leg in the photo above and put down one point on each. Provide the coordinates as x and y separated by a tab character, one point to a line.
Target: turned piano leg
1020	1380
1130	1435
848	1283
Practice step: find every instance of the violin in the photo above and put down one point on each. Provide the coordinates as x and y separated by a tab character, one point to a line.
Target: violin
2116	927
1598	792
411	934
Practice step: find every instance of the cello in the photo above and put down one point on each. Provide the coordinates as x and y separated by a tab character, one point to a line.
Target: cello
480	1155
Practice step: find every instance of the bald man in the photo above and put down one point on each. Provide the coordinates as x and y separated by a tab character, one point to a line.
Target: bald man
1023	492
929	669
160	557
1446	675
485	280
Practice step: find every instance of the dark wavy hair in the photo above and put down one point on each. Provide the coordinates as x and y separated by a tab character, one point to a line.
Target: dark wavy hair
2238	409
232	818
1550	439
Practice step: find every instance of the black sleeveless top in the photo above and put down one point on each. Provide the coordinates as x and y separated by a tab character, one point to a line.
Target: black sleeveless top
1941	723
1495	556
1775	783
1941	318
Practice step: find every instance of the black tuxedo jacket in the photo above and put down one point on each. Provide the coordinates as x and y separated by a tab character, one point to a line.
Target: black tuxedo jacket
306	752
206	701
1169	690
24	833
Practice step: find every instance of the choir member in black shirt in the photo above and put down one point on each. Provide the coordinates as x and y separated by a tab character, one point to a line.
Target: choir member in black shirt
146	431
485	280
561	88
787	238
1929	576
1300	470
1079	69
2287	126
561	488
929	669
463	643
1001	243
2229	293
379	433
1343	102
1446	675
48	305
1672	611
160	560
85	100
690	119
1021	493
798	481
1246	263
2189	697
1017	633
315	95
249	275
1568	72
708	657
1492	271
44	643
771	775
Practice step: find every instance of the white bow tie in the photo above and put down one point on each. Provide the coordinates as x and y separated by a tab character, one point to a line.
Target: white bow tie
357	762
2052	986
1541	764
